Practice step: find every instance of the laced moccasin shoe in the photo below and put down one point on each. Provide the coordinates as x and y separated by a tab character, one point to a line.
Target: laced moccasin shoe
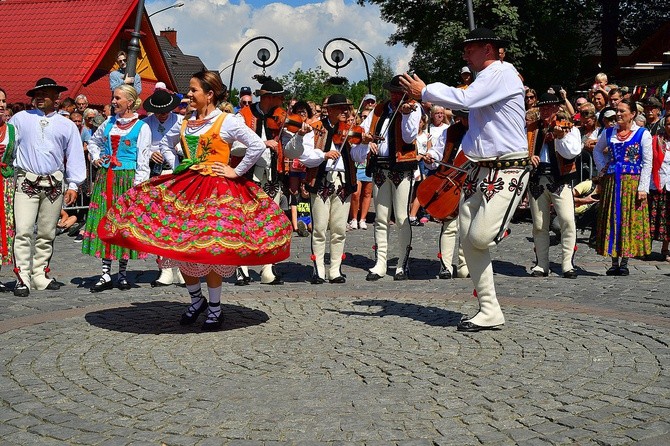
213	322
191	314
102	285
123	285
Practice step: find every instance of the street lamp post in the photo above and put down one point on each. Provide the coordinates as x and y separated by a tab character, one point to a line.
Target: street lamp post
176	5
134	43
263	55
337	56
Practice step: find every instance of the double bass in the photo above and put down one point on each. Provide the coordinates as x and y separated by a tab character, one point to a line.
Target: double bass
440	193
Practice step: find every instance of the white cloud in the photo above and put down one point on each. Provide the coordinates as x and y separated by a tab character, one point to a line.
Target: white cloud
215	30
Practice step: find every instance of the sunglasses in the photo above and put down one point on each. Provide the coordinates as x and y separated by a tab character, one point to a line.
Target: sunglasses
530	97
246	102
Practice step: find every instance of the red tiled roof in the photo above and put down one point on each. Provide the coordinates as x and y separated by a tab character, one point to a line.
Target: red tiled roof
67	40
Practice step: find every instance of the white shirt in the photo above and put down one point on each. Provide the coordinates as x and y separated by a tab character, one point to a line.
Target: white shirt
158	131
568	147
497	112
232	129
98	141
45	142
601	159
410	129
664	171
312	157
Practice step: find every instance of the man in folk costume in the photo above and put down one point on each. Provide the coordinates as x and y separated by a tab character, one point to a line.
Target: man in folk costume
160	104
496	142
331	179
389	141
447	146
44	140
262	118
553	144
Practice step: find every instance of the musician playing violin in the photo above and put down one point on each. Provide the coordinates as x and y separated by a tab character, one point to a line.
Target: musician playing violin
446	147
390	143
266	118
331	179
553	145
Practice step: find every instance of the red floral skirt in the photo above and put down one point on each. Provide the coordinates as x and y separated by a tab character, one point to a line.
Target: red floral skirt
194	218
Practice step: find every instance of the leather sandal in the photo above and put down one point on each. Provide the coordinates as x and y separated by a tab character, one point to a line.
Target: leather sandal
191	314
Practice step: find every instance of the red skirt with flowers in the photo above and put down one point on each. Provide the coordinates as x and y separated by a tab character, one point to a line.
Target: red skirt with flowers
198	219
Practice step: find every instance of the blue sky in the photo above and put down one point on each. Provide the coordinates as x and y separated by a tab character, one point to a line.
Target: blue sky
215	30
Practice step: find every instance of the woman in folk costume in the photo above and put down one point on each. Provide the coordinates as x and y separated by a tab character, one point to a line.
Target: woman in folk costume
121	148
623	154
659	191
7	141
205	217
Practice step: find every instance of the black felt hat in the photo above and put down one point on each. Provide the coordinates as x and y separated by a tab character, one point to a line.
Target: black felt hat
161	101
336	99
394	84
548	99
271	87
483	35
45	82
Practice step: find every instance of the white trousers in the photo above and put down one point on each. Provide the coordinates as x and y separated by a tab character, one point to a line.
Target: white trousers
488	202
389	197
540	208
329	213
29	210
448	237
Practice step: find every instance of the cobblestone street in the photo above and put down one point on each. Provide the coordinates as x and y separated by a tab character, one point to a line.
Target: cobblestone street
580	361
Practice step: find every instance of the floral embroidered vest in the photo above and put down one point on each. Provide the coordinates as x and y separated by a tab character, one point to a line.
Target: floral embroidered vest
201	151
402	156
625	157
323	138
120	151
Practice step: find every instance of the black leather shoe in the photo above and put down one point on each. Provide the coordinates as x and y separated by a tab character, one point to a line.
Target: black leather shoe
340	279
123	285
243	282
445	274
572	274
371	277
157	284
614	271
316	280
21	290
471	327
623	271
277	281
102	286
537	273
400	276
191	314
3	288
213	322
53	285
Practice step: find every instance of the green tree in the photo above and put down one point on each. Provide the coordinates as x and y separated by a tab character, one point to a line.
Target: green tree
310	85
551	42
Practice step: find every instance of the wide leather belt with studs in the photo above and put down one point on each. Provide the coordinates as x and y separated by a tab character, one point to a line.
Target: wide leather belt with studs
505	164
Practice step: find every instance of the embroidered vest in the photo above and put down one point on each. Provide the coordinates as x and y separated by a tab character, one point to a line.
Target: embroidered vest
402	156
126	151
323	138
7	163
625	157
257	122
563	170
201	151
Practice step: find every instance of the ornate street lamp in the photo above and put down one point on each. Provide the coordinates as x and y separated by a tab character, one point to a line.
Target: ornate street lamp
176	5
337	56
263	55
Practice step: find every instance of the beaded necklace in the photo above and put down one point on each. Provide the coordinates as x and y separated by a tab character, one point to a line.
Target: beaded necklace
127	125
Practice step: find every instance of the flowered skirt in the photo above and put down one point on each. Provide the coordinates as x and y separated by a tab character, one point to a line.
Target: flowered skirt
200	223
7	230
92	244
629	236
658	214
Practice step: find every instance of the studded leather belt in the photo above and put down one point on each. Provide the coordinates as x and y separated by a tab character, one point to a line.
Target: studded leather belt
505	164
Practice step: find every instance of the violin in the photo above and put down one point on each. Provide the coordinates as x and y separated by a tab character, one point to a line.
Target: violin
440	194
562	123
353	134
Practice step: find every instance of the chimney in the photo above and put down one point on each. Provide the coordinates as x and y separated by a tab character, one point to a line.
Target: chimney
171	36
